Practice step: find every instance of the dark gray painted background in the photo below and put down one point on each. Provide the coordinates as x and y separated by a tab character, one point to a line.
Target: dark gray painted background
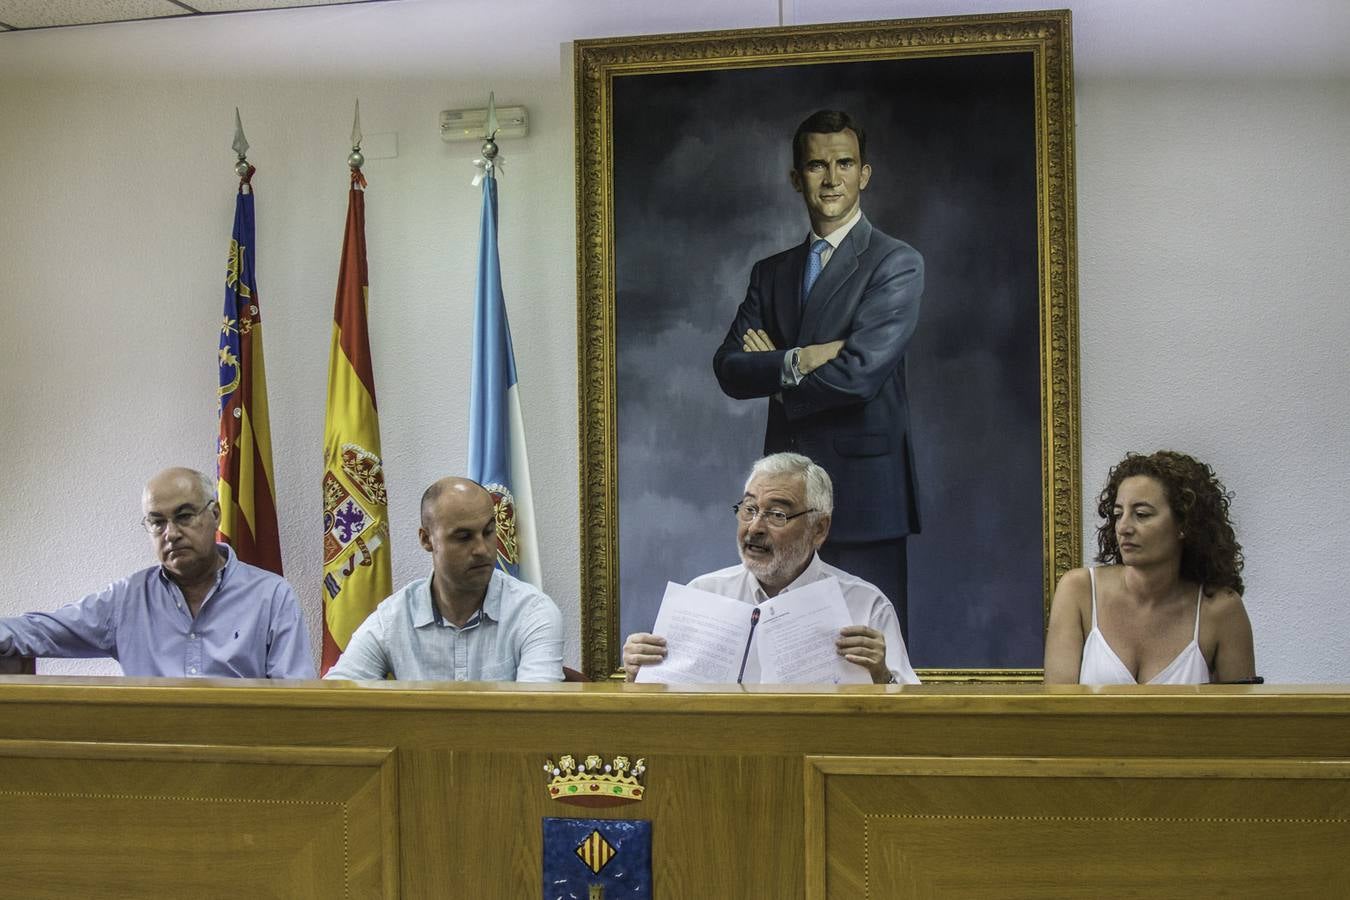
701	192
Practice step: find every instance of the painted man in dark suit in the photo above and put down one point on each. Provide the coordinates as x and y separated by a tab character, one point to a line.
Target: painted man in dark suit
822	333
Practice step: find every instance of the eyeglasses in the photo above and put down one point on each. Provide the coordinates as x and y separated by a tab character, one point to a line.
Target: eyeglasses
774	518
157	525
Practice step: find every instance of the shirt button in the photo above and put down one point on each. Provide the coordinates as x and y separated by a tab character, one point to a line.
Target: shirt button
192	636
192	670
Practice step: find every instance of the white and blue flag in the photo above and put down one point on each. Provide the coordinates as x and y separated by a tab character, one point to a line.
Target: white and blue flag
496	431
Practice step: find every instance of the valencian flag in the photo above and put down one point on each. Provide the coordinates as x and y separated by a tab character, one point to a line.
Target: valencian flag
496	431
248	511
357	573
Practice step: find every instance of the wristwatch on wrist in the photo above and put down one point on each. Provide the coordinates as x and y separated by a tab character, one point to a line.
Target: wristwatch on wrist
892	679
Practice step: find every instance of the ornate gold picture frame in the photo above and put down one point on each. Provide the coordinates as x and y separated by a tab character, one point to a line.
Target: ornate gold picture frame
683	151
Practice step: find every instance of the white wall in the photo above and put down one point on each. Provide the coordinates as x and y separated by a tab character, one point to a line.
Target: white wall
1212	198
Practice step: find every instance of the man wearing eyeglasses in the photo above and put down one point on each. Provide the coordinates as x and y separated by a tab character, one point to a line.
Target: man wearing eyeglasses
200	613
782	520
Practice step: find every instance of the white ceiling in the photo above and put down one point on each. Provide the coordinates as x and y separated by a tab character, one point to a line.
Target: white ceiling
493	39
20	15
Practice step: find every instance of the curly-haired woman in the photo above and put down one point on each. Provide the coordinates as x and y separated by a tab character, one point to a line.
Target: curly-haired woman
1166	606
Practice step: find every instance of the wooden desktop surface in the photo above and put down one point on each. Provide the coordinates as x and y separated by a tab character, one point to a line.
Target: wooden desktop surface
168	788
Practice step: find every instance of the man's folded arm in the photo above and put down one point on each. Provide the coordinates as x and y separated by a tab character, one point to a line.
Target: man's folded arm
742	374
880	332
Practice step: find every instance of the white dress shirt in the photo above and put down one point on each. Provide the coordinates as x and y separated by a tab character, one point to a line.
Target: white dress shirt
866	606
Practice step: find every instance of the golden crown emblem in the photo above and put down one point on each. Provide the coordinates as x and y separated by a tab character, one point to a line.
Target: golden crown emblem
594	782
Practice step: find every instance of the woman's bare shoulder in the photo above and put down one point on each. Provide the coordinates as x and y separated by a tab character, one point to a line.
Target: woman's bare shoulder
1076	580
1074	590
1224	603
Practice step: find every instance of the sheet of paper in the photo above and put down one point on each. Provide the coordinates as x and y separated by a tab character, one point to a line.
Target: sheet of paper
796	634
705	636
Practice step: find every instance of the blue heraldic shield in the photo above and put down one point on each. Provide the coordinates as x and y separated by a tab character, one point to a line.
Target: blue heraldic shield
597	859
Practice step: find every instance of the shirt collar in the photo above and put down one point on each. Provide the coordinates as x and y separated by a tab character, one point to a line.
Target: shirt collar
836	237
231	562
423	604
810	575
425	611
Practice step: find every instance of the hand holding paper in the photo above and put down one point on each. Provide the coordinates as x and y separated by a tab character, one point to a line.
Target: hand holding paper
798	635
796	638
867	648
705	637
642	649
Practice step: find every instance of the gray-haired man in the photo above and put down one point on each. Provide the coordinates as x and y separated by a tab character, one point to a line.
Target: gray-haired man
782	519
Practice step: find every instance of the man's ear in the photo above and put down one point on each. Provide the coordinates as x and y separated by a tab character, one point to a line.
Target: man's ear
796	178
424	539
864	176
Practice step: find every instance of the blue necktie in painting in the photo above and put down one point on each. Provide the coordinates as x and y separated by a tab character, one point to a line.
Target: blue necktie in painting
814	264
602	858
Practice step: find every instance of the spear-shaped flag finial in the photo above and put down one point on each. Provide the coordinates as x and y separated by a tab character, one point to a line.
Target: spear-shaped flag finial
490	160
491	117
240	146
240	142
356	158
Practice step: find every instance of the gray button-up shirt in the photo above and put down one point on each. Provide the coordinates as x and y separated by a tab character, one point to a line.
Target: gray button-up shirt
249	626
516	636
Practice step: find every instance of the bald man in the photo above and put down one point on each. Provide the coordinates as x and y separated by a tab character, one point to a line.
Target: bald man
467	621
199	613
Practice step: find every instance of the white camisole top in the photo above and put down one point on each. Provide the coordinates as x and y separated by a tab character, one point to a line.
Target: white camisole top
1102	666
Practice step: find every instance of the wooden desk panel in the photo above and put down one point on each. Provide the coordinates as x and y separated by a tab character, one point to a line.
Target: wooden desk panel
972	828
117	819
865	791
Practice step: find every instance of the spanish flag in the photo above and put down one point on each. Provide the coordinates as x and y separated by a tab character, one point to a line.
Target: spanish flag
357	573
248	510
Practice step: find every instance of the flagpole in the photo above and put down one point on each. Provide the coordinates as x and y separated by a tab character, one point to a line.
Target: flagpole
357	568
245	479
497	458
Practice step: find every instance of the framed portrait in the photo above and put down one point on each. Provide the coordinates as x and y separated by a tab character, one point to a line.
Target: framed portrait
684	149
